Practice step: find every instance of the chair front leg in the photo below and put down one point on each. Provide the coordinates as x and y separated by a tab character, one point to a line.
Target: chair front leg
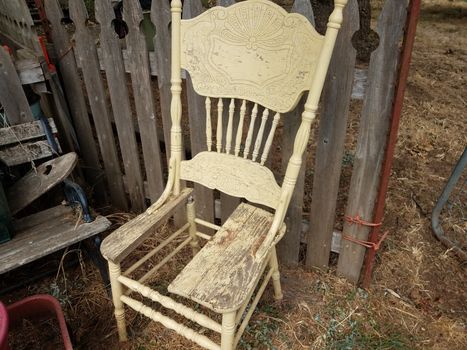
276	277
115	272
228	330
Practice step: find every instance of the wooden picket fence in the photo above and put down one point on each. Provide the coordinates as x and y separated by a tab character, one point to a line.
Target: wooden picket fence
137	107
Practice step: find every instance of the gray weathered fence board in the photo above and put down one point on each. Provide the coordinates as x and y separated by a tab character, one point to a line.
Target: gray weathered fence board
160	16
116	81
142	92
87	54
196	114
332	130
24	132
12	96
288	247
75	96
374	126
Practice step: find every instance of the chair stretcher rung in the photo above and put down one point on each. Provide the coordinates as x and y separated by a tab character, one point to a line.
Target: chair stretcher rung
207	224
169	323
155	250
168	303
163	261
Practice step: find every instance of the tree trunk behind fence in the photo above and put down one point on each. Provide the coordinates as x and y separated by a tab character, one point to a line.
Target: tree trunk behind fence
374	126
332	131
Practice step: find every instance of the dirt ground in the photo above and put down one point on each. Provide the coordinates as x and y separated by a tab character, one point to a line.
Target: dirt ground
418	297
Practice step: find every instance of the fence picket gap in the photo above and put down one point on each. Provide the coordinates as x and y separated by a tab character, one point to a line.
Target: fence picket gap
331	137
374	126
87	54
115	73
142	92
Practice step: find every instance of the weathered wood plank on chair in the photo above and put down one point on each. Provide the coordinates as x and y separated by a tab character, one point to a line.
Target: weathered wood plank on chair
87	54
374	126
144	102
53	229
116	79
331	137
129	236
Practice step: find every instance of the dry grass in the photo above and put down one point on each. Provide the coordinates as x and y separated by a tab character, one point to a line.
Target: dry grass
418	298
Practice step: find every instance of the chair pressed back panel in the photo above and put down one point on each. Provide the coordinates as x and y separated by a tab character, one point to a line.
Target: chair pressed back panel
251	51
252	62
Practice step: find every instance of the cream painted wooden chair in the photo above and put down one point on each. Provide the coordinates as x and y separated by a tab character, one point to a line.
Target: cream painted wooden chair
258	54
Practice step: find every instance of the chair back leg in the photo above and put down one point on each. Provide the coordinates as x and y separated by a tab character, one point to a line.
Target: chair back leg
115	272
191	213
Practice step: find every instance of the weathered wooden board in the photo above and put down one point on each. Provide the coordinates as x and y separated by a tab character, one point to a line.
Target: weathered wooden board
332	130
87	54
196	114
24	132
374	126
53	229
288	247
116	81
72	85
126	238
12	96
38	181
160	16
142	92
26	152
223	273
29	71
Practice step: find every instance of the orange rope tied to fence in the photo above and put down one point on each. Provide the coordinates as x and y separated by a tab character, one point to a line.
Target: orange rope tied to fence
359	221
371	245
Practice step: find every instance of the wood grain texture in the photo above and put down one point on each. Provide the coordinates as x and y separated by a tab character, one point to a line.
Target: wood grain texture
24	132
228	56
117	84
224	272
66	64
87	54
126	238
160	16
12	96
288	247
40	180
196	114
374	126
144	102
26	152
234	176
331	137
53	229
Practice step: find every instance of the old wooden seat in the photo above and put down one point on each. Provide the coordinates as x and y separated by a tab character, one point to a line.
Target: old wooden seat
254	61
224	273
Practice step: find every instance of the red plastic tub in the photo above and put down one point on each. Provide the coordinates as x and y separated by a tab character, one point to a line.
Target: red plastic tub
36	307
